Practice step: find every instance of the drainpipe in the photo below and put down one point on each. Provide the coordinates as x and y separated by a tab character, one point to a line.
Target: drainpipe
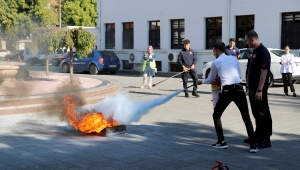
99	23
228	18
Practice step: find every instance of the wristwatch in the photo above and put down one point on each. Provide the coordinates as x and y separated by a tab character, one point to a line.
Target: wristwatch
258	90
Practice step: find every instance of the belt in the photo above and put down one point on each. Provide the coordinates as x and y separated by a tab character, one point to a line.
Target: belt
233	85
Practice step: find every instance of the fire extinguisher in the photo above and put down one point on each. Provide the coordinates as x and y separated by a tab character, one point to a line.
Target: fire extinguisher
216	91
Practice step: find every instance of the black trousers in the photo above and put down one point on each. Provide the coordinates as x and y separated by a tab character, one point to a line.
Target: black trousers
262	115
194	76
287	79
236	94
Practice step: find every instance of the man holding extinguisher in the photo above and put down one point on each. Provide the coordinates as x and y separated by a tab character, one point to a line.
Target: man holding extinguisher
228	69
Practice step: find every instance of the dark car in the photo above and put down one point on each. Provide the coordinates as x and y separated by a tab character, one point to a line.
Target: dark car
96	61
15	55
57	60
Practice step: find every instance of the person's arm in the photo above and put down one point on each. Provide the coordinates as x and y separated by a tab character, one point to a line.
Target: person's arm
194	60
212	76
239	69
238	54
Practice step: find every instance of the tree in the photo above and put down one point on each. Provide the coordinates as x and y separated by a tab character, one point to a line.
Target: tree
79	13
50	39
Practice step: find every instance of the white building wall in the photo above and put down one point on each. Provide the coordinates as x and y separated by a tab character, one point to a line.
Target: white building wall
267	15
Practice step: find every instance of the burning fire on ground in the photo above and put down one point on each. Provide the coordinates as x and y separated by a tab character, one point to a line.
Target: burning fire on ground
87	123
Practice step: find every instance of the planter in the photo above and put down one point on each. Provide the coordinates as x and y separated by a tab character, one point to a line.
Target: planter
6	73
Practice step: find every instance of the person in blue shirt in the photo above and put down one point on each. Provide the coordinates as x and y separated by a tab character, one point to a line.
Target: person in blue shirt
231	49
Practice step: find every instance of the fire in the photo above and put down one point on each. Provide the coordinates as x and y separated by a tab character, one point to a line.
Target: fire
89	123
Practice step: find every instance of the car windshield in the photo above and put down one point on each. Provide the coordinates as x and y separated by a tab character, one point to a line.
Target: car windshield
242	54
108	54
40	52
278	53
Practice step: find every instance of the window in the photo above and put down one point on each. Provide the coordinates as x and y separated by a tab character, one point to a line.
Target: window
290	31
154	34
243	25
213	31
177	34
128	35
110	36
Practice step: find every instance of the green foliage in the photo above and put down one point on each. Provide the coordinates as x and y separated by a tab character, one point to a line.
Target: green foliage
83	40
79	12
22	73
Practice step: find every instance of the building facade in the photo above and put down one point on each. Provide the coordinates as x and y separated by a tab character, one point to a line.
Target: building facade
128	27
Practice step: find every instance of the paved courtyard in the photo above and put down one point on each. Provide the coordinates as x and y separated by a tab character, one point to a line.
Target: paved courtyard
176	135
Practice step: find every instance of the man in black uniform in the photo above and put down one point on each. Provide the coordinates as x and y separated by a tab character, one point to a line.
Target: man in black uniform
258	76
186	59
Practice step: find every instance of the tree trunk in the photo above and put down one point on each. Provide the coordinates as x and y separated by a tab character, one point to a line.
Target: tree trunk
47	65
71	65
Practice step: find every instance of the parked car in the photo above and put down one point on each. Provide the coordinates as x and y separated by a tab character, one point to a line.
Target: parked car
15	55
3	53
275	75
96	61
57	60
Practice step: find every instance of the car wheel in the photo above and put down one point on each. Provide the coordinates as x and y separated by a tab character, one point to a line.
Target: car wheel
271	80
93	69
113	72
207	73
65	68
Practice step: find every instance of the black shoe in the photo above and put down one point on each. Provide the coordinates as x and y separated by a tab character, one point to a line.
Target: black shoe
294	94
253	149
263	144
195	94
246	141
286	94
220	145
186	95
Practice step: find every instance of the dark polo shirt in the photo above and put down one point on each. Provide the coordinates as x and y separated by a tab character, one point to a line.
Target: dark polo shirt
234	51
261	59
186	57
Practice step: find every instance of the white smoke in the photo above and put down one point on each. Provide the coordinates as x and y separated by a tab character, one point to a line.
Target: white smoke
125	110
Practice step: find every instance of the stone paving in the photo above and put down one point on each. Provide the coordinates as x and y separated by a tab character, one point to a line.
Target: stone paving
176	135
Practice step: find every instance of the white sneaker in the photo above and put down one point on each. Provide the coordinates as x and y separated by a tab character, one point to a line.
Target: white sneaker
150	87
142	86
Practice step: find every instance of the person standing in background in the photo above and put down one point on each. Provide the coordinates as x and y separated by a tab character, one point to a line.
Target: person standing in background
232	50
149	67
286	70
27	55
187	59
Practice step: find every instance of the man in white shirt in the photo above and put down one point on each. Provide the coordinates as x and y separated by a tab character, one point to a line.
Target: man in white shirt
228	69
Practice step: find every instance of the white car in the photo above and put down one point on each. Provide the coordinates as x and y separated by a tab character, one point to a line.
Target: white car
275	75
3	53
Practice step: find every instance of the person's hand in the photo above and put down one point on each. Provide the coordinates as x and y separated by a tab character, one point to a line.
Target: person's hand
217	79
258	96
193	67
199	82
185	69
287	61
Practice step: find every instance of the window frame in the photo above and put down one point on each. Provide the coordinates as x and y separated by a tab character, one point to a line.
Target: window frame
128	31
247	27
290	31
109	34
215	28
155	42
179	30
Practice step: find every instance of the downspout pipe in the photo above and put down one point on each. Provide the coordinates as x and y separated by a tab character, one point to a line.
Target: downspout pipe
228	18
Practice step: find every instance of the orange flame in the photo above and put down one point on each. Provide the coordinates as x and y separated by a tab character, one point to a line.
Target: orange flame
89	123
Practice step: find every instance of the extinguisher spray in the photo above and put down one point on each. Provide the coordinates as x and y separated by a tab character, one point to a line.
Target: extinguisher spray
216	91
